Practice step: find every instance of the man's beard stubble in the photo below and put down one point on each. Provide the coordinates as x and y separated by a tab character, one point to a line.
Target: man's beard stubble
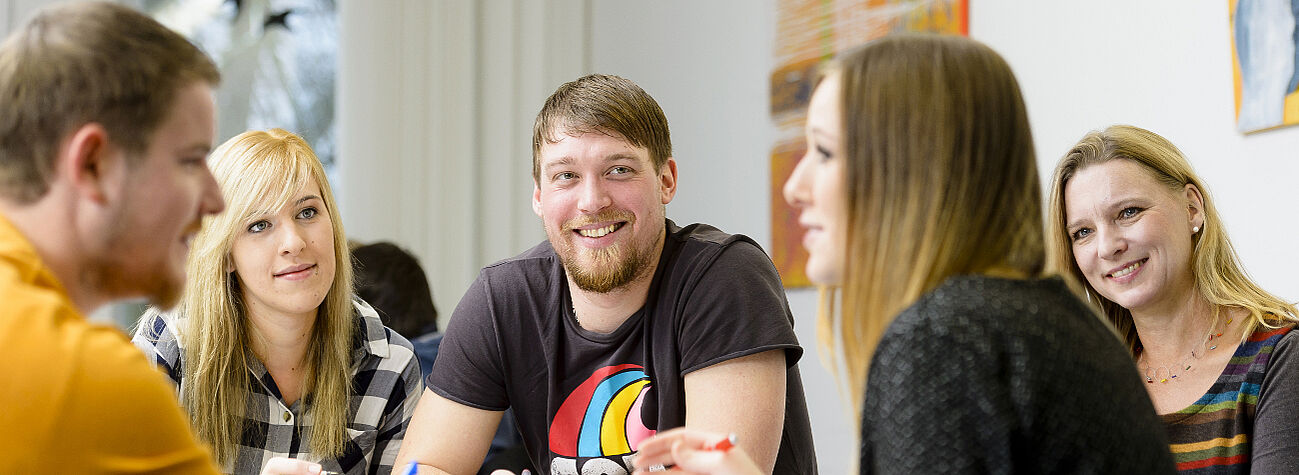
120	273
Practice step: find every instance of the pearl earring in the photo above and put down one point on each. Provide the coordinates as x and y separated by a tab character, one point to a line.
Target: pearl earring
1195	230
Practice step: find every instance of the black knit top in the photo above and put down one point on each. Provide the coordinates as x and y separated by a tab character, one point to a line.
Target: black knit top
998	376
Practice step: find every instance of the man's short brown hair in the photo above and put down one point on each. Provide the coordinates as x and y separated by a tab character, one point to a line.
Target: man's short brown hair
601	103
86	63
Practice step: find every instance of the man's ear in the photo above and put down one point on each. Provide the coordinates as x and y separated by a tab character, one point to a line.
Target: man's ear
536	198
668	180
89	163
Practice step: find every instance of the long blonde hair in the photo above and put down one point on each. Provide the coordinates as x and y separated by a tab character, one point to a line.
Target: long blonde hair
259	170
1218	275
941	180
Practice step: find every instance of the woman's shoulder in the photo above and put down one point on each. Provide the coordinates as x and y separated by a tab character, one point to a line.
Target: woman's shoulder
376	339
995	315
975	298
1271	330
1271	333
156	336
1015	329
155	327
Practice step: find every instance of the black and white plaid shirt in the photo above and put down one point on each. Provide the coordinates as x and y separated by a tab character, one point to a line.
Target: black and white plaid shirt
385	381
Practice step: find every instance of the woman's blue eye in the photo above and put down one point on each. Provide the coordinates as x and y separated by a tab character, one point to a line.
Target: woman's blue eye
258	226
1081	233
1129	212
308	213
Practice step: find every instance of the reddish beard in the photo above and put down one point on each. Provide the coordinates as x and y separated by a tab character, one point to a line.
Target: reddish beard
603	269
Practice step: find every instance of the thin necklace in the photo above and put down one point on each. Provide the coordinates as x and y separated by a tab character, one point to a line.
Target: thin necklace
1164	373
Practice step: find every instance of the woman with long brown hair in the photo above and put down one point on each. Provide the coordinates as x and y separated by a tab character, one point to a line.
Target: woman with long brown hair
920	197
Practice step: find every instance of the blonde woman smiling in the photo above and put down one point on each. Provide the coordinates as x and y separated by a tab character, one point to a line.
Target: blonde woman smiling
272	352
1132	223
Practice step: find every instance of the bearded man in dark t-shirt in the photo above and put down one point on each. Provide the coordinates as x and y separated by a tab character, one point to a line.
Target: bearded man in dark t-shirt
621	324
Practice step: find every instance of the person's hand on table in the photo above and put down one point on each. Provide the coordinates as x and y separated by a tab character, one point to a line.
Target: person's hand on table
684	450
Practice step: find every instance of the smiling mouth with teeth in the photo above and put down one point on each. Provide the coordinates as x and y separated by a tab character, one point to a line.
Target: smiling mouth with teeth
1128	270
599	232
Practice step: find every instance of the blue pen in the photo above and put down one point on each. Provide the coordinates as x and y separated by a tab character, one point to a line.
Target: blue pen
411	469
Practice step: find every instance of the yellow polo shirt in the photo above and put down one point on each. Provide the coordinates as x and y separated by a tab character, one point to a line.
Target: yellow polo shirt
77	397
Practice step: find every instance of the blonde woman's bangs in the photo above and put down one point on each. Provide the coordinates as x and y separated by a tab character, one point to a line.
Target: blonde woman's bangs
268	181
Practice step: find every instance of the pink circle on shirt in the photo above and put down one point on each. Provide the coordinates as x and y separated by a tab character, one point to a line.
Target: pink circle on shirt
636	430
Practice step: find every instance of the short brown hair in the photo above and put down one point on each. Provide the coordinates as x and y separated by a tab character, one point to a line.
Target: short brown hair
86	63
604	104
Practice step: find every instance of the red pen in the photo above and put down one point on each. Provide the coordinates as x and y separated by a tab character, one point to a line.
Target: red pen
724	444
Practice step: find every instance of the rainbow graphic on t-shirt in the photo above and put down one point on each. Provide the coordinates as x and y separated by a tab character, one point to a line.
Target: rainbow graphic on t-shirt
601	417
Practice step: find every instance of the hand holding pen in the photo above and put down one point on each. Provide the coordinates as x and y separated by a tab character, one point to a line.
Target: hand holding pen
684	450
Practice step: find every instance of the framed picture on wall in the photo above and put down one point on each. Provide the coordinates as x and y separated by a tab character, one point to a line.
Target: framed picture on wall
1265	63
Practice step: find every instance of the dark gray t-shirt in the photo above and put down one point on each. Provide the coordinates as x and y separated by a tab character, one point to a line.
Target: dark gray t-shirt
584	399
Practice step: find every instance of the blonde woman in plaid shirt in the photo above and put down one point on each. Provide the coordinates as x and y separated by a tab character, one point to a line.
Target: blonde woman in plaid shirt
272	353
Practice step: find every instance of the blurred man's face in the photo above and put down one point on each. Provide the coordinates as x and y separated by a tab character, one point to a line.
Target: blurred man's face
166	194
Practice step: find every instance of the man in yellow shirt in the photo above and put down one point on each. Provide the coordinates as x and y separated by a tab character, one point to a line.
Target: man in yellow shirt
106	119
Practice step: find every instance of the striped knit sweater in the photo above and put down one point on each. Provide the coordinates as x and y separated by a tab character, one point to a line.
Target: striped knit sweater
1224	432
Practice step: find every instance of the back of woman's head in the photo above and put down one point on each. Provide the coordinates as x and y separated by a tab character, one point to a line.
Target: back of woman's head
941	177
1215	267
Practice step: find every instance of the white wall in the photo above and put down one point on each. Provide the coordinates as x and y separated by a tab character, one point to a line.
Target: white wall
14	12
